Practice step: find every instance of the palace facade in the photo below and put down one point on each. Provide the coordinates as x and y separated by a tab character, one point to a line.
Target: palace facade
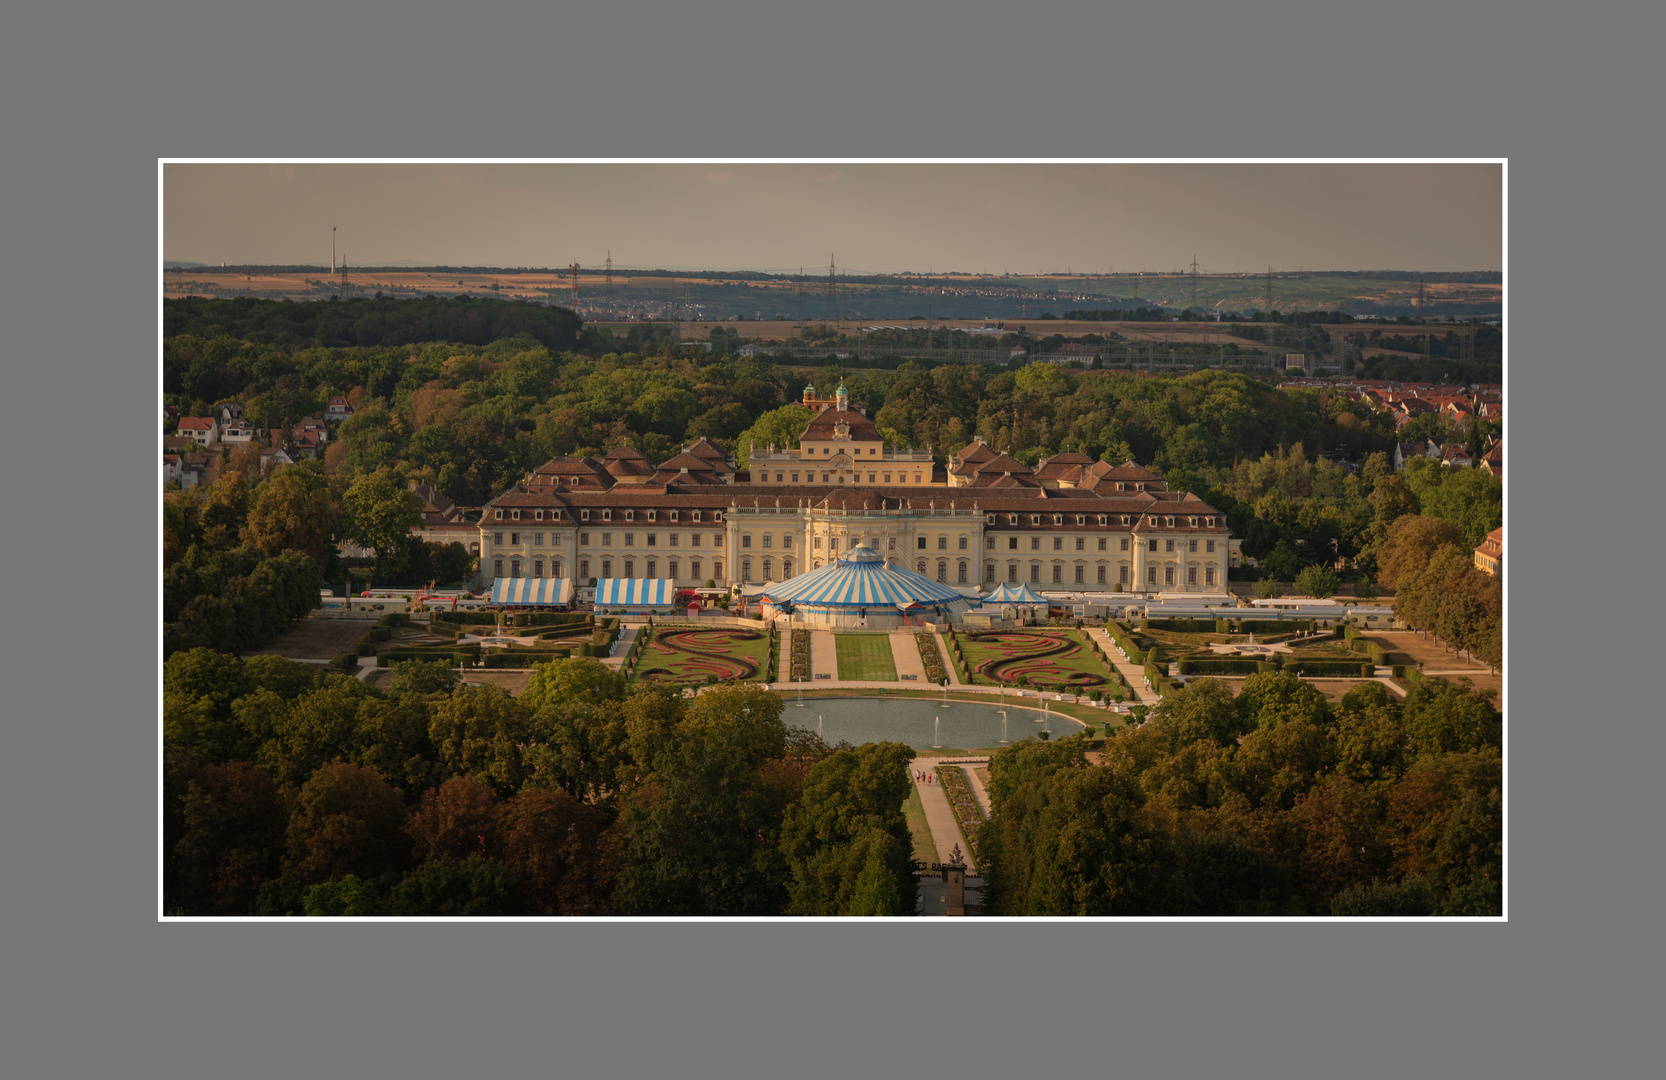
1070	524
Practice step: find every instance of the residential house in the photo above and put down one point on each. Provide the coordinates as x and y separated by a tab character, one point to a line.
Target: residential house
237	430
338	409
230	410
203	429
1489	557
1454	456
1068	353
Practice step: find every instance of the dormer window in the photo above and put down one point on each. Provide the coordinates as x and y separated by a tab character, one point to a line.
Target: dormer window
1012	519
1153	519
497	515
584	515
989	519
1170	521
694	515
673	515
1142	485
1081	519
538	515
1194	522
652	515
515	515
1058	519
1035	519
1125	519
1120	486
630	515
1103	519
717	515
607	515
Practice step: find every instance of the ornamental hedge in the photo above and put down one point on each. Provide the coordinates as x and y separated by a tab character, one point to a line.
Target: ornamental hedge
1343	668
1226	666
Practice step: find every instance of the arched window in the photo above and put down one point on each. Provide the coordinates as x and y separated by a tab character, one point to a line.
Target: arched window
942	570
920	567
962	578
746	569
671	569
769	569
786	569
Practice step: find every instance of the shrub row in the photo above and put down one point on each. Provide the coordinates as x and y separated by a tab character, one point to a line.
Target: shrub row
1186	626
1126	643
1369	648
1226	666
1276	626
1345	668
931	657
801	656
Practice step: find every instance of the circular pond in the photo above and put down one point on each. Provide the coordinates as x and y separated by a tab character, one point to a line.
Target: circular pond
916	721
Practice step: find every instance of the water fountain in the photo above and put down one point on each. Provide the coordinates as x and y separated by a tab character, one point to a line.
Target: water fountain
937	733
818	725
945	693
800	697
1003	725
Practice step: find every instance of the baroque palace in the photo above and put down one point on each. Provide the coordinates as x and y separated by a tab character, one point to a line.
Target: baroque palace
1069	524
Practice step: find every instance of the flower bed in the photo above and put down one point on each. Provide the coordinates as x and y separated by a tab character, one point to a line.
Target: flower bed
967	812
689	657
1051	659
931	657
801	656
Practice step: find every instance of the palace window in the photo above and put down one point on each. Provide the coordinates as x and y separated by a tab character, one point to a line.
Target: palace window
653	567
671	569
989	572
1209	574
584	515
1122	573
652	538
671	539
942	542
514	515
745	540
584	539
537	567
514	539
989	543
1035	519
694	515
887	478
1103	540
652	515
514	568
630	515
607	539
717	539
537	539
942	570
630	567
1035	543
1191	545
786	569
769	570
989	519
497	568
1035	573
538	515
694	569
1058	543
555	568
963	541
673	515
497	515
786	540
1168	545
1123	546
717	568
1191	574
1081	571
584	569
1058	574
1101	573
832	543
1208	545
962	578
1168	575
1152	545
920	542
769	539
630	539
497	539
920	568
693	539
1081	543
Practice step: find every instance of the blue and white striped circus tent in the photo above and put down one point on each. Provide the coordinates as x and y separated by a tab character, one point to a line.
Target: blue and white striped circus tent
532	592
640	593
1013	594
862	590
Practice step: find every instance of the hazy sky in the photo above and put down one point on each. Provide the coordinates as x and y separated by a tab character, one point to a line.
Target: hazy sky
873	217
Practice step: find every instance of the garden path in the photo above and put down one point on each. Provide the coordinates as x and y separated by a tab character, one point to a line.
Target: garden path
976	782
1131	672
906	655
824	655
945	832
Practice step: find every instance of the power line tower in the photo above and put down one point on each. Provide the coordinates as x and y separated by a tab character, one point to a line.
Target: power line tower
830	304
1194	279
1269	294
1421	297
574	268
332	250
346	286
607	278
801	296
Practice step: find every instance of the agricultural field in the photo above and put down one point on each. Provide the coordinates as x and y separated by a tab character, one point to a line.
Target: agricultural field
865	657
687	657
1052	659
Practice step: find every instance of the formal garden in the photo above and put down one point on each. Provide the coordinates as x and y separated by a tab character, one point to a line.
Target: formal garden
865	657
683	656
1045	659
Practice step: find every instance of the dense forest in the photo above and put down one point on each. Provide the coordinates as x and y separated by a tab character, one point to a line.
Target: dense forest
293	793
1271	803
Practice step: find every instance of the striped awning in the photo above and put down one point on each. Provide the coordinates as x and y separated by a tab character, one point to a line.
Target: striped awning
862	578
636	592
1013	594
532	590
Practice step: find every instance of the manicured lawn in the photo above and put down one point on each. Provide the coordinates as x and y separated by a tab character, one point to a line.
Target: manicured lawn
1053	659
683	656
865	657
925	849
